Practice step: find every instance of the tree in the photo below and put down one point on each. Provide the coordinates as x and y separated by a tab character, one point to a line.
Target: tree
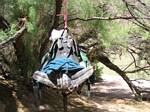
97	24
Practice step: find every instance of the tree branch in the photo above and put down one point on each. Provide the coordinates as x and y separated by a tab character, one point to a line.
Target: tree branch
139	69
105	60
128	66
105	18
148	8
12	38
134	60
144	26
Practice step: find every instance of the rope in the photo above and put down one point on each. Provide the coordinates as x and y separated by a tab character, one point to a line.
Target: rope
65	14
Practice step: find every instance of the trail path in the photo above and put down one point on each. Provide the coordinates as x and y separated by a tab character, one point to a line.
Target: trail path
112	87
112	94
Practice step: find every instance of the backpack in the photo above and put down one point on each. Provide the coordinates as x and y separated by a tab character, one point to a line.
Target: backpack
63	45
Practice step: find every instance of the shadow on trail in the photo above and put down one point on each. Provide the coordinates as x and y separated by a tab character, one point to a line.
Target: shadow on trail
22	98
7	100
15	97
112	93
84	104
112	88
25	97
19	97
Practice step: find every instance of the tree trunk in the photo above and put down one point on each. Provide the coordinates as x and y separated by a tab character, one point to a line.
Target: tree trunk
103	59
54	25
20	53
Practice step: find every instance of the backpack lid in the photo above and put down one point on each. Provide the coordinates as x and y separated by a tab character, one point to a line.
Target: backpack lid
55	34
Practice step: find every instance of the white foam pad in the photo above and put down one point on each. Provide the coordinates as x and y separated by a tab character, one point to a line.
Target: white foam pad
57	34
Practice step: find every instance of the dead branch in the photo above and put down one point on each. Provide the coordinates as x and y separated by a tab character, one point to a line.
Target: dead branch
144	69
106	61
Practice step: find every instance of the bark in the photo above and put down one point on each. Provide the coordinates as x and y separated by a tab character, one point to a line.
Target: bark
20	53
4	59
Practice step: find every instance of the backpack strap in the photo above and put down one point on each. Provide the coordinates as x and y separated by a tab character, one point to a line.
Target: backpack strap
59	46
70	53
75	48
53	49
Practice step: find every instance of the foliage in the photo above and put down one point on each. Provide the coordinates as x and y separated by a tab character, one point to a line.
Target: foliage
4	35
98	71
40	15
108	31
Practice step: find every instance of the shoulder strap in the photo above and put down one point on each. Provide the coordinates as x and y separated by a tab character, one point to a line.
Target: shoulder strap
71	52
53	49
75	48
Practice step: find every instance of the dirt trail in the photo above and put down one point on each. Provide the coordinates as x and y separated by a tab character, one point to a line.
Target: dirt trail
109	95
112	94
112	87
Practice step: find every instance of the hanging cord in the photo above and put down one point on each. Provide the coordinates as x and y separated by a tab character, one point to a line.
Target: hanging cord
65	14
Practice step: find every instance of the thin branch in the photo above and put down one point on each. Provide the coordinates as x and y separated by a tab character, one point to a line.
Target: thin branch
134	17
147	61
144	69
139	69
109	18
134	60
128	66
147	7
136	8
105	18
136	23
